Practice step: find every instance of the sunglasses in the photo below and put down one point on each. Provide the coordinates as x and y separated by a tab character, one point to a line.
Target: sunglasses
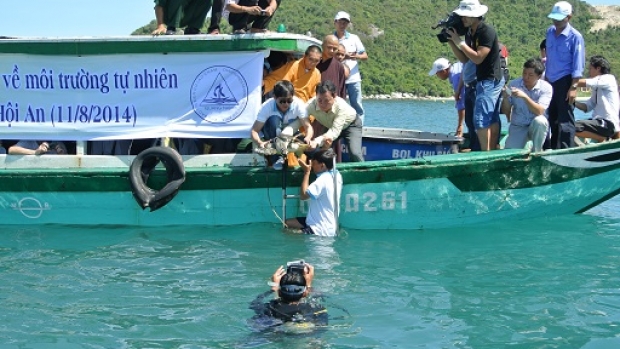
285	100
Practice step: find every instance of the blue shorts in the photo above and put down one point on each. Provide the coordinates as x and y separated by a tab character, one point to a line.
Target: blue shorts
486	109
460	104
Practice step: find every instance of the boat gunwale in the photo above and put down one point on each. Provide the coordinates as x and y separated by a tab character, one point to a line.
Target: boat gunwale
163	44
245	161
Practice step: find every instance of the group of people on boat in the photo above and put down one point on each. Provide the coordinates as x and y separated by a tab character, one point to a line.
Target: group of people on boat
303	98
306	94
314	87
294	90
254	16
540	104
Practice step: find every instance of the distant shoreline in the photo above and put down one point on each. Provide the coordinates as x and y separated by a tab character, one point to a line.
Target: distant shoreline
403	95
411	96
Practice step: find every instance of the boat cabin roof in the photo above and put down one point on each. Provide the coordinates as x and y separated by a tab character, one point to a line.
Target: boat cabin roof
92	46
136	87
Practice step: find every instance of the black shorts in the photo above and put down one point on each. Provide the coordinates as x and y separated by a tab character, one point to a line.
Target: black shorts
600	127
306	229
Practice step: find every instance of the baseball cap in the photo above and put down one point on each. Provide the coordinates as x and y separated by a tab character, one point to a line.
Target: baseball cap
438	65
560	11
342	15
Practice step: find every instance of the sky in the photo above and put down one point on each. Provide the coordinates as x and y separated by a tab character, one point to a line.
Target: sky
62	18
66	18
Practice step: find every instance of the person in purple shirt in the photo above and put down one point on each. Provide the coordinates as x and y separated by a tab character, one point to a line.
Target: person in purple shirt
566	57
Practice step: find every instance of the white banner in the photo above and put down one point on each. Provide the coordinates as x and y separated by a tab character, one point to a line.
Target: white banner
126	96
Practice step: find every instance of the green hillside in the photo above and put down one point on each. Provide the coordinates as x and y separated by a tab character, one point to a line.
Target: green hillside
402	46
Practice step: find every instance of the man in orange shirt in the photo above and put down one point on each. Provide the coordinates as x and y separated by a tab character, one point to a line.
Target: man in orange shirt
302	73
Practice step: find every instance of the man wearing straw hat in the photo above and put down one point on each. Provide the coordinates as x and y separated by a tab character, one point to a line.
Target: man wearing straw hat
481	46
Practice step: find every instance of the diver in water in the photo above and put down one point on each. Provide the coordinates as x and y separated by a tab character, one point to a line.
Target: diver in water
293	304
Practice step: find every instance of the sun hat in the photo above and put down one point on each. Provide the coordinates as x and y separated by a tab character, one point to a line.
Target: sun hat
439	65
561	10
342	15
471	8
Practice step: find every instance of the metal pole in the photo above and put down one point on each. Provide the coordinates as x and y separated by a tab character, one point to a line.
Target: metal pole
284	197
336	203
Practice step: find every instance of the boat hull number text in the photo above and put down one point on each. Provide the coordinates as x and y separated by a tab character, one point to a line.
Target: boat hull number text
370	202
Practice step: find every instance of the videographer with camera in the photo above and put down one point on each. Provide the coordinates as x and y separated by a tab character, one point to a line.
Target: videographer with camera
481	46
293	303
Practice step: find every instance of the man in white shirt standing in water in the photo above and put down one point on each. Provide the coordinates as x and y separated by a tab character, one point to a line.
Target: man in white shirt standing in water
323	207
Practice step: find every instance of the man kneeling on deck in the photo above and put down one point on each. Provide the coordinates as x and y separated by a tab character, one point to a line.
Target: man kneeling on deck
525	102
339	117
281	114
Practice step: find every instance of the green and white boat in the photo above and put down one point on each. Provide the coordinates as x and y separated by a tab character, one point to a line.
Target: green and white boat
85	89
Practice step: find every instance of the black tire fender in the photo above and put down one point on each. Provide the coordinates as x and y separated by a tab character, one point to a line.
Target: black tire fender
141	169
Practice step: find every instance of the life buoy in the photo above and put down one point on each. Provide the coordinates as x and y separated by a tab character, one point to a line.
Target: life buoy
141	168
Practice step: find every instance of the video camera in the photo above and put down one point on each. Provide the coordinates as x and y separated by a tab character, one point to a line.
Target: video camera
453	21
296	267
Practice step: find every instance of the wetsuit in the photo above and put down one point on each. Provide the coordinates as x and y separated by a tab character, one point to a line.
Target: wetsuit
307	310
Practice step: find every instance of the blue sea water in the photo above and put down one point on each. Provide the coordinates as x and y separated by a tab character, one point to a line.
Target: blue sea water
540	283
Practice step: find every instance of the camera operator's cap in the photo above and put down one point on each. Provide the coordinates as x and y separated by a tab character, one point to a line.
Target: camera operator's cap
342	15
471	8
560	11
439	65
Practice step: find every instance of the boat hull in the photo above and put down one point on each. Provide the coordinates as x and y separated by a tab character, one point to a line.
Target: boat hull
433	192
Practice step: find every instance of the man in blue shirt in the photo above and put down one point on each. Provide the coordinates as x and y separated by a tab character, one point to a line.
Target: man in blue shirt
525	101
565	64
444	70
